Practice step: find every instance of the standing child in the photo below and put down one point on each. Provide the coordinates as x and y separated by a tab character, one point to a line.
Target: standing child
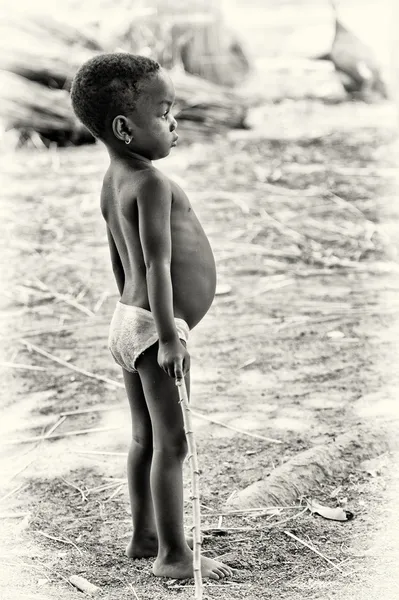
165	272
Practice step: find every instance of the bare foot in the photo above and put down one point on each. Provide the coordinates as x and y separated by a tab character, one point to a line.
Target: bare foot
147	546
182	568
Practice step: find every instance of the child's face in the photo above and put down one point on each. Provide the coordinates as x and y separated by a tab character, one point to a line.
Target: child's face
153	123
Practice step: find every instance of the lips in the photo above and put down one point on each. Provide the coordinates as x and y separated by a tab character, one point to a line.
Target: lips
175	140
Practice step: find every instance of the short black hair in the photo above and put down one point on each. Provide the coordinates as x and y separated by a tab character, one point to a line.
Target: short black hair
108	83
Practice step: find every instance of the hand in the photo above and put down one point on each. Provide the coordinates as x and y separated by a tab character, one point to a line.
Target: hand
174	359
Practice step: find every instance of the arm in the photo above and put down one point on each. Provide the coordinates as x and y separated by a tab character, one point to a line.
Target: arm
154	208
116	262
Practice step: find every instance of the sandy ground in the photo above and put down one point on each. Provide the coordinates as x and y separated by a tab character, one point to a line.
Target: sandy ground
295	349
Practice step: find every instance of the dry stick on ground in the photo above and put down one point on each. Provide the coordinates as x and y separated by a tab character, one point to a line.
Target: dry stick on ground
133	590
99	452
64	363
84	411
193	459
84	497
17	489
65	299
40	438
12	365
291	535
26	465
61	540
216	422
121	385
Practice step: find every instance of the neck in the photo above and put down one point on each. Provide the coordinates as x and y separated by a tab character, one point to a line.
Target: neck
126	153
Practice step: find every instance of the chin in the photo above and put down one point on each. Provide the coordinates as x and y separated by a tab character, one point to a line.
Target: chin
163	154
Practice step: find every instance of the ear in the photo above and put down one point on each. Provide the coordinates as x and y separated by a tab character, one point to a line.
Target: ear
122	129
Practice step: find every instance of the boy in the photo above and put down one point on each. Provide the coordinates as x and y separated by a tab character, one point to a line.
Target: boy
165	272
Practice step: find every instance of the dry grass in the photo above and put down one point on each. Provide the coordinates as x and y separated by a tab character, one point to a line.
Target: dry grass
305	252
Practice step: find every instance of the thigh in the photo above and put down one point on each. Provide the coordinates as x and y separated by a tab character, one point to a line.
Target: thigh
162	399
141	421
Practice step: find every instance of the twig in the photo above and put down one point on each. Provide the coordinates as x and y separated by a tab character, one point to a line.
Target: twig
290	518
54	427
65	299
193	458
84	498
100	301
71	327
222	529
99	452
39	438
12	365
26	465
216	422
62	541
271	286
134	591
16	515
263	509
115	492
105	486
19	488
294	537
84	411
71	366
247	363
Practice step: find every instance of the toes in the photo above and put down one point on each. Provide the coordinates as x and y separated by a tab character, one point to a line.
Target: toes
213	575
220	572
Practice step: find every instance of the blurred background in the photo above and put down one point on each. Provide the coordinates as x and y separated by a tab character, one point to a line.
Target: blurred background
288	150
262	51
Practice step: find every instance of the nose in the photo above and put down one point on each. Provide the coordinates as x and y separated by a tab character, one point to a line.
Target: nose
173	124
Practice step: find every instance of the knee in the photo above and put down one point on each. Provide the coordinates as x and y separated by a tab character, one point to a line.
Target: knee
175	445
142	440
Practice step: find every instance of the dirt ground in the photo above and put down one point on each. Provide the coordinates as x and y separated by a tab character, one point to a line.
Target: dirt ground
300	345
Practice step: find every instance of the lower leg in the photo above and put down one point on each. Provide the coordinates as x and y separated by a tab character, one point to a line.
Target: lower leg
167	494
144	542
144	539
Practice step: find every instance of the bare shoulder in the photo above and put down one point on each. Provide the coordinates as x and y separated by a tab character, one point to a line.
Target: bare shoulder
153	184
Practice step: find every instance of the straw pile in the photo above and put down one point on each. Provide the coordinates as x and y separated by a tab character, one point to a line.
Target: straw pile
40	55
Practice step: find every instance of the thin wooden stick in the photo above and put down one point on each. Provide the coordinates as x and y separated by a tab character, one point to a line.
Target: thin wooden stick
216	422
62	541
291	535
64	363
26	465
98	452
65	299
134	591
12	365
19	488
83	411
39	438
193	459
54	427
116	492
72	485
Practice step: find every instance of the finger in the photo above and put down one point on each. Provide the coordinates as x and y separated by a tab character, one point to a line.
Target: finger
179	370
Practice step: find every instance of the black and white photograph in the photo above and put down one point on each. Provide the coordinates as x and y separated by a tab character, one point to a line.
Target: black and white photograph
199	300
